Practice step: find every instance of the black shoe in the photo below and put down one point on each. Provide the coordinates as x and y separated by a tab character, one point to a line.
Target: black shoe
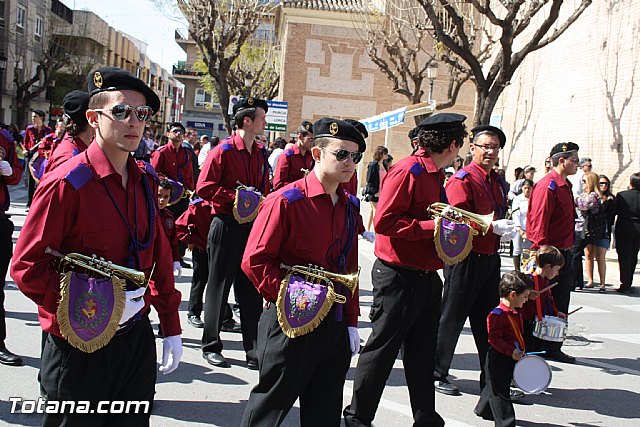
560	356
185	264
623	291
231	326
515	394
8	358
483	416
195	321
252	364
216	359
445	387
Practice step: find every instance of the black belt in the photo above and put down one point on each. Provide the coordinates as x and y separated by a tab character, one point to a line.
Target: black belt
411	269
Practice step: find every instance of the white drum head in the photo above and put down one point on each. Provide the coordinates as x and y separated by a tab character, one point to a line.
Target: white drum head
532	374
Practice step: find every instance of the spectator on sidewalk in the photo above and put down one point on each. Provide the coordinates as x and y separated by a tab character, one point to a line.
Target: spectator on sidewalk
627	232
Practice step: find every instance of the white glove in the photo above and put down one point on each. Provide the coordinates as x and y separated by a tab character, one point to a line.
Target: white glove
5	168
171	353
133	303
369	236
504	226
177	269
507	237
354	340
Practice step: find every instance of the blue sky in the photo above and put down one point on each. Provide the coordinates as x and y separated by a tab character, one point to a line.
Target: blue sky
143	20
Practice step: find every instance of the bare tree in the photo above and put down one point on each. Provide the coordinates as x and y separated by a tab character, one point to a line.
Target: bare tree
221	29
512	30
396	41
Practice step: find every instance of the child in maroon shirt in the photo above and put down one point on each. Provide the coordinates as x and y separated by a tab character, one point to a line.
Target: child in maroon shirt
506	347
168	223
549	261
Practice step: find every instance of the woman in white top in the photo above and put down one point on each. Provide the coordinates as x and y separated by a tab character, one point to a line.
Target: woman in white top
519	208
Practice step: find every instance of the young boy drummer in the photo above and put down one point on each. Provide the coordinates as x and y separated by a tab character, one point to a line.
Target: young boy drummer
310	221
506	346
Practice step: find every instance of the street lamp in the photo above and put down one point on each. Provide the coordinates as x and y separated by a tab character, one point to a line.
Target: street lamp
248	80
3	66
432	73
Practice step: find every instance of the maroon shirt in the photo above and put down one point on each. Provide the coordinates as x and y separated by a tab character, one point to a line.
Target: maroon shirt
290	165
69	147
174	164
8	153
502	335
169	227
81	217
403	226
475	190
551	214
299	225
49	144
529	310
193	225
227	164
32	136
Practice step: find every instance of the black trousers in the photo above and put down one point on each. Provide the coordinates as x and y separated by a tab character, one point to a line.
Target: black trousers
495	400
627	247
6	251
123	370
576	255
198	281
470	290
404	314
177	210
312	367
31	183
227	240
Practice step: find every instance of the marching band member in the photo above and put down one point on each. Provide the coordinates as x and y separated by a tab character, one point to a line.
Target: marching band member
34	135
471	286
233	180
168	222
550	221
296	162
10	174
78	134
101	201
312	221
406	287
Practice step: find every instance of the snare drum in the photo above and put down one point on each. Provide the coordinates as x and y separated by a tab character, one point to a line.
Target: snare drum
532	374
550	328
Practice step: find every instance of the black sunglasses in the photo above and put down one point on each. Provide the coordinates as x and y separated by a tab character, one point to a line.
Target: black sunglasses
603	183
177	130
122	111
342	155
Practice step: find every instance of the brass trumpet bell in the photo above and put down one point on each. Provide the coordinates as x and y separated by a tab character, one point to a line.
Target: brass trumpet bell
315	272
452	213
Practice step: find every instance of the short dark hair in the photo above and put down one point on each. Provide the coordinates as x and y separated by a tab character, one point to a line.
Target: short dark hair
164	183
514	281
549	255
73	128
176	125
528	182
214	141
379	153
238	119
436	141
518	172
634	180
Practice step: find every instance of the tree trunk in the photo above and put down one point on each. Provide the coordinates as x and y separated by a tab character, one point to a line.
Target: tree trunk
485	103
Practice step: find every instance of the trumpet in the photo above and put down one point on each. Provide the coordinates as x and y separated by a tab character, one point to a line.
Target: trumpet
99	266
315	274
483	222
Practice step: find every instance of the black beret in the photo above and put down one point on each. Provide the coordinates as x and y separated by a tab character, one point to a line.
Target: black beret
479	130
305	126
75	105
244	103
562	148
339	129
442	121
176	125
39	113
413	133
361	128
112	78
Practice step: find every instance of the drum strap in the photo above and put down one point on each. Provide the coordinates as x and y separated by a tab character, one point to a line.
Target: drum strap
538	303
517	330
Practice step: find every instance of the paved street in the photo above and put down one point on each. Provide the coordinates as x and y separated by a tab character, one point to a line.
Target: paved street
600	390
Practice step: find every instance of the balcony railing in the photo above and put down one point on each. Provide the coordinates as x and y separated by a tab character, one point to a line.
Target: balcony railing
180	71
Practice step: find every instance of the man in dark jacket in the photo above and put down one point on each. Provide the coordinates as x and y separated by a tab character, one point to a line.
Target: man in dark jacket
628	232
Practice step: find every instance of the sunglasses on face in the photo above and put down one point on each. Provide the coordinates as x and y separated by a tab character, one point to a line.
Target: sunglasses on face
122	111
342	155
603	183
177	130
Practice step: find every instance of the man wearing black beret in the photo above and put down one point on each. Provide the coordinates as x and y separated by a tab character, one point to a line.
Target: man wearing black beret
233	179
551	221
78	133
471	285
310	221
295	162
406	287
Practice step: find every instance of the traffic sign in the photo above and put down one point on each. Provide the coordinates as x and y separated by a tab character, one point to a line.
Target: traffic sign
277	116
385	120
